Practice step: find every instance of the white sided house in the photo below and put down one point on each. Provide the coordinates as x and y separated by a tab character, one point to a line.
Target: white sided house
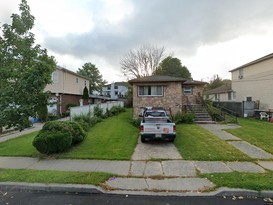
115	90
254	82
66	88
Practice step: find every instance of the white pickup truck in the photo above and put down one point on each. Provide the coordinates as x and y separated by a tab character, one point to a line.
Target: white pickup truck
156	124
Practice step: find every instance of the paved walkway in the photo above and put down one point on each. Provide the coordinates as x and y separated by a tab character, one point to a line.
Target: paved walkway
155	166
245	147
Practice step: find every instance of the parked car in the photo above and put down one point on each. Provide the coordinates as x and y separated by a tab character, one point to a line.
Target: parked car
156	124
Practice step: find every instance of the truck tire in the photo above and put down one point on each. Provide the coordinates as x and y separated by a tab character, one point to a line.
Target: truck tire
143	140
171	140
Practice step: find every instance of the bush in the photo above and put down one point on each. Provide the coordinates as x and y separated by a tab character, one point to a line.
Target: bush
117	109
136	122
98	112
78	134
85	126
48	142
108	113
184	118
57	136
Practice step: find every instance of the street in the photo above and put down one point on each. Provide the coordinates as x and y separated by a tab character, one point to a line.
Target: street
62	198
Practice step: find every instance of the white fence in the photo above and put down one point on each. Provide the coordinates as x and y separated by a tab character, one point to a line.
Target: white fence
84	110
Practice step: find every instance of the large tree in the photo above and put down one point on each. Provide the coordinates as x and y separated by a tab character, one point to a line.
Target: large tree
141	62
173	67
25	70
90	71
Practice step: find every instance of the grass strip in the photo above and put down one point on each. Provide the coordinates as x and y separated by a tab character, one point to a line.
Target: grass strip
252	181
197	143
61	177
256	132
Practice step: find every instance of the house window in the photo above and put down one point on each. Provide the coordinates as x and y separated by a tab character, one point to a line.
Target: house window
116	87
248	99
187	90
108	88
217	97
241	73
54	77
77	80
230	96
155	90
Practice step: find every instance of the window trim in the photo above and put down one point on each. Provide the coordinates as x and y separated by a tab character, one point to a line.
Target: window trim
188	87
161	95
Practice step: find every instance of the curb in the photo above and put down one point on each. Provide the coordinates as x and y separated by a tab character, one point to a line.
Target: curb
91	189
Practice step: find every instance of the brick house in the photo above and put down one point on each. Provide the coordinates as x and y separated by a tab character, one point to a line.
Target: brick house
165	91
66	88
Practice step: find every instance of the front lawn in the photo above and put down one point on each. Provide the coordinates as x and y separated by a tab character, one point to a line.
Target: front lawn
196	143
115	139
44	176
254	181
256	132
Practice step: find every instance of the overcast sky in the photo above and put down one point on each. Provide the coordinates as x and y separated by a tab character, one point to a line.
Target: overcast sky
208	36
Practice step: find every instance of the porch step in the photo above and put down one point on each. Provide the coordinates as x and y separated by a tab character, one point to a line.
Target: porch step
201	114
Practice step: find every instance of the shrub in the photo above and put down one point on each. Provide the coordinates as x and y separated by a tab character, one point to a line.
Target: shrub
85	126
78	134
136	122
117	109
184	118
98	112
57	136
108	113
48	142
94	120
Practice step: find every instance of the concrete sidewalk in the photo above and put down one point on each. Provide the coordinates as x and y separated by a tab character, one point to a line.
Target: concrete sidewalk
144	173
169	175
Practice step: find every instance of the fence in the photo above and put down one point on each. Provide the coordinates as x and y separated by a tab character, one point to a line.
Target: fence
84	110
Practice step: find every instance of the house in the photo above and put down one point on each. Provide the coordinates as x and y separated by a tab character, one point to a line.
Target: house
115	90
165	91
66	88
253	82
224	93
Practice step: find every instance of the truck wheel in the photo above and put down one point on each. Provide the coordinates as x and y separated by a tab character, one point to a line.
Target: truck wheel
171	140
143	140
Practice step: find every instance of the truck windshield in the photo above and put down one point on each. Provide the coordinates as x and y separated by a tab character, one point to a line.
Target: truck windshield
155	114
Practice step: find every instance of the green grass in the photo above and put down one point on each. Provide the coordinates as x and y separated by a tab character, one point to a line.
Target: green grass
253	181
196	143
115	139
255	132
21	146
34	176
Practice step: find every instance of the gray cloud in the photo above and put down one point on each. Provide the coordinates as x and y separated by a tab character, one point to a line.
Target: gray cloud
180	25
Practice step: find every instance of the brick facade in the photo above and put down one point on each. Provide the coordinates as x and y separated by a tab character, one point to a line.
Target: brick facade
172	98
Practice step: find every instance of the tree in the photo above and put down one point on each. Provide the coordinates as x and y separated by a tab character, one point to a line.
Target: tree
25	70
96	81
172	67
141	62
216	82
85	95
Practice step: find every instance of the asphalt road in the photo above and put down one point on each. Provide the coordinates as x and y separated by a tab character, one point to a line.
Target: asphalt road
61	198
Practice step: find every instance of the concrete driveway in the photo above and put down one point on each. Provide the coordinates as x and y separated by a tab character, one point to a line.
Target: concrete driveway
155	150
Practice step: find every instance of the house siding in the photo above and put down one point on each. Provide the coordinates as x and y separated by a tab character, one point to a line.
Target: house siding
172	98
257	83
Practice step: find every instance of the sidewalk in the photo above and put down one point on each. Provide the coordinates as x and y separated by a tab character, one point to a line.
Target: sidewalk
142	173
170	175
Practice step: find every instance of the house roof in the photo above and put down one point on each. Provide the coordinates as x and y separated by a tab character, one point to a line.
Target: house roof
194	82
254	62
222	89
71	72
157	78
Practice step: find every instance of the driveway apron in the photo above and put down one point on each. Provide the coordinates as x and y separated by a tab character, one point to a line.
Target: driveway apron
155	150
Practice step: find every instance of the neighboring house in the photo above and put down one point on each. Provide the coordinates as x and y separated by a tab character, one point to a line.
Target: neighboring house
115	90
165	91
253	82
223	93
66	88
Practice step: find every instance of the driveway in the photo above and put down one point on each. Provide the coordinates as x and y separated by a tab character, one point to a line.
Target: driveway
155	150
